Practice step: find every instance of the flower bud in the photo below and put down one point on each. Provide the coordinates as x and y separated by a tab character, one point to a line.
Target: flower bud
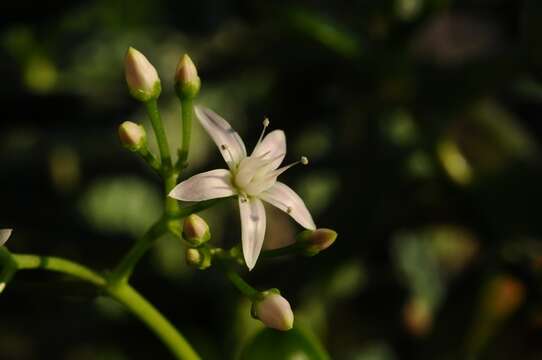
2	286
195	230
4	235
198	257
187	81
132	136
314	241
274	311
141	76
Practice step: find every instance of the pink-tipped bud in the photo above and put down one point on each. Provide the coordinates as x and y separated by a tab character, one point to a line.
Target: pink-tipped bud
4	235
132	136
141	76
274	311
195	230
187	81
317	240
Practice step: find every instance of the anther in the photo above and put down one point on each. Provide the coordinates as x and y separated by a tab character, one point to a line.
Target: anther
279	171
225	147
289	209
265	124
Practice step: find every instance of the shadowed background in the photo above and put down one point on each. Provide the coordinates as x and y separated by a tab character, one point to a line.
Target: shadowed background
421	122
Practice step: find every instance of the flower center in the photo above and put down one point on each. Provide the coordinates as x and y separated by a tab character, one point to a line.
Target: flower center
255	174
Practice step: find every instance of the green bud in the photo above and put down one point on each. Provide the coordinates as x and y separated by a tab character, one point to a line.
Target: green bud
187	81
132	136
195	230
314	241
141	77
198	257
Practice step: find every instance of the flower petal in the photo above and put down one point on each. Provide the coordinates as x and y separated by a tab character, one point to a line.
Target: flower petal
205	186
272	145
283	197
223	135
253	223
4	235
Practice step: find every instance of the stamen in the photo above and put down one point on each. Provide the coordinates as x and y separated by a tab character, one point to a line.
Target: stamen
279	171
265	124
289	209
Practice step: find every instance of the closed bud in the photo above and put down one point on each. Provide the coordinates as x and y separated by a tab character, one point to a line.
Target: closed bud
132	136
314	241
273	310
141	76
4	235
187	81
195	230
2	286
198	257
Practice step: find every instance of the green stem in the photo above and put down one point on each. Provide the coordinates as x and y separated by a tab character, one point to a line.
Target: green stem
195	208
124	269
242	285
122	292
287	250
172	205
56	264
159	132
187	111
150	159
147	313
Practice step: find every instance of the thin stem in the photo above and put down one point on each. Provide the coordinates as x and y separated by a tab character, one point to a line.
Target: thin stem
195	208
122	292
172	205
147	313
242	285
287	250
150	159
124	269
159	132
56	264
187	111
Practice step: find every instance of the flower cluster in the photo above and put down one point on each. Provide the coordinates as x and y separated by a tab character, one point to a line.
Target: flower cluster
251	178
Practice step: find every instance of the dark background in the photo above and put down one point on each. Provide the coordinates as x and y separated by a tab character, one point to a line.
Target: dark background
421	121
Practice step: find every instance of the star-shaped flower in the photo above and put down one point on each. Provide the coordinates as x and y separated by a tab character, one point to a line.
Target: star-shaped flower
251	178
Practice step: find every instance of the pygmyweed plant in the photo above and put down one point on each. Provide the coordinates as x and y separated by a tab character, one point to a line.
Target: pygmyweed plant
250	179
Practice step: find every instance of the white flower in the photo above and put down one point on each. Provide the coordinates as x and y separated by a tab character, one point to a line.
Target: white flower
4	235
251	178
